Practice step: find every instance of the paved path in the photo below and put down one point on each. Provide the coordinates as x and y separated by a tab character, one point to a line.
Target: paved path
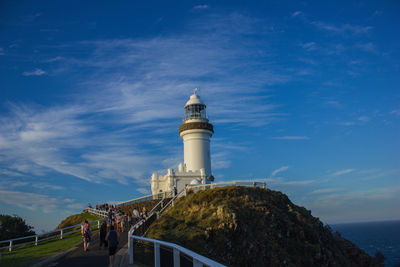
94	257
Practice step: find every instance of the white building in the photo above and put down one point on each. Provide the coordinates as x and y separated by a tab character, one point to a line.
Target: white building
196	132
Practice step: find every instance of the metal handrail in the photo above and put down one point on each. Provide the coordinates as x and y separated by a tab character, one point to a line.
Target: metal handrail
162	201
198	259
142	199
60	234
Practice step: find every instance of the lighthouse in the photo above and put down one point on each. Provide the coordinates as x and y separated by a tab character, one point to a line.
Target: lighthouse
195	132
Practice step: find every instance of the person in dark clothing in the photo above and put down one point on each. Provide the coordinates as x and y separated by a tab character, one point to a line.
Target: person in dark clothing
113	239
103	233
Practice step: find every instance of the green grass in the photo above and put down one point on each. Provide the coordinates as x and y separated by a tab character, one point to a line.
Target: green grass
26	256
31	254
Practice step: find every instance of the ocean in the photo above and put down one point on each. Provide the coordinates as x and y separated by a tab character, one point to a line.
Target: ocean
373	237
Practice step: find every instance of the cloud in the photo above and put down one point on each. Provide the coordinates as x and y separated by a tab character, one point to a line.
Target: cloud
291	137
281	169
325	190
47	186
345	28
36	72
377	13
333	103
363	118
144	191
367	47
342	172
1	51
395	112
29	201
10	173
310	46
280	182
75	206
297	13
200	7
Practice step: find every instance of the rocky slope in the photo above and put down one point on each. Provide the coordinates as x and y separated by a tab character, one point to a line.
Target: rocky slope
241	226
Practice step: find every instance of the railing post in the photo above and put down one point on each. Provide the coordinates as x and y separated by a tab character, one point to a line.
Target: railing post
177	258
131	243
98	224
36	240
197	263
156	255
61	234
10	247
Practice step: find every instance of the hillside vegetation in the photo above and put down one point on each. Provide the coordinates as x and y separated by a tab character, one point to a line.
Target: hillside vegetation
242	226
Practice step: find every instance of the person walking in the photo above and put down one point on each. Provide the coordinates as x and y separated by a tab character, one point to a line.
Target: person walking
113	239
86	235
102	234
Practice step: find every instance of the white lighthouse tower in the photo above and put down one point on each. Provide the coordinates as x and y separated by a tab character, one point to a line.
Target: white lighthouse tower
196	132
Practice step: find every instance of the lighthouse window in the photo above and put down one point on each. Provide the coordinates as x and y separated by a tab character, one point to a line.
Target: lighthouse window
195	111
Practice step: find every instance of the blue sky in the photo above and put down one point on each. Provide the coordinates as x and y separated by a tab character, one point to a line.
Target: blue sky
304	95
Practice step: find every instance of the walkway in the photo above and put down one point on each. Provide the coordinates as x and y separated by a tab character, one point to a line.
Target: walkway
94	257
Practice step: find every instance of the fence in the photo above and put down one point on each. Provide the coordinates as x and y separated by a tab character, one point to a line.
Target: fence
177	254
196	188
145	198
36	239
101	213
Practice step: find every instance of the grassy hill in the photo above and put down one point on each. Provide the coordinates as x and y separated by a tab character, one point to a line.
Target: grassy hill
242	226
77	219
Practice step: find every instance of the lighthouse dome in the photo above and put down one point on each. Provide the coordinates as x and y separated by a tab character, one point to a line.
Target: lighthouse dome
194	100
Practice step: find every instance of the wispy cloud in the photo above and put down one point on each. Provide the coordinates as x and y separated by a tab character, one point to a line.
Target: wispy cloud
144	191
395	112
29	201
310	46
1	51
368	47
342	172
291	137
325	190
281	169
297	13
200	7
345	28
36	72
363	118
10	173
285	183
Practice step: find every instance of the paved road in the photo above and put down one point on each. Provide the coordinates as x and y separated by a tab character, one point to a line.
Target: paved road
94	257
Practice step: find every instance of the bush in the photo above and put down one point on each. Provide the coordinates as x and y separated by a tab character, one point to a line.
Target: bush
13	227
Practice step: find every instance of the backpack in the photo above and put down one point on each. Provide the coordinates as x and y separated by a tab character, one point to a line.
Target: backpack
86	230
